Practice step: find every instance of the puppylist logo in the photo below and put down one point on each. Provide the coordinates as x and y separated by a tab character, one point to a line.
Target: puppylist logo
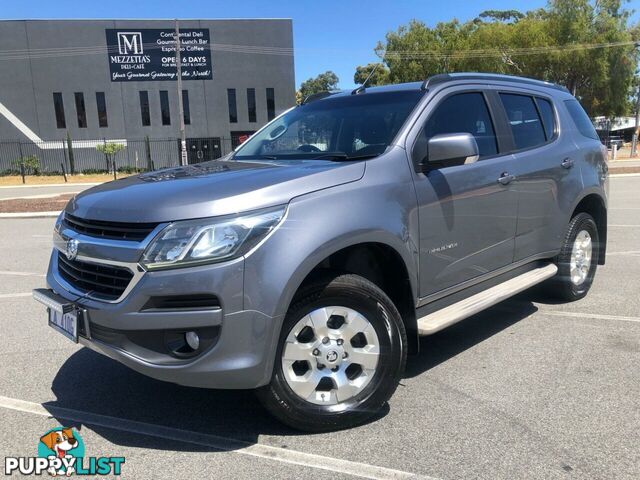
61	452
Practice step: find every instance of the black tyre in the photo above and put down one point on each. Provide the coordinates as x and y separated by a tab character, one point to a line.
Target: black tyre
341	354
577	261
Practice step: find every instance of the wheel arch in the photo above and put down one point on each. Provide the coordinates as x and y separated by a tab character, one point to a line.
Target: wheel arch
378	261
593	203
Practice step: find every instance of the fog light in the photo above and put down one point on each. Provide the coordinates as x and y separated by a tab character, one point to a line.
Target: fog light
192	339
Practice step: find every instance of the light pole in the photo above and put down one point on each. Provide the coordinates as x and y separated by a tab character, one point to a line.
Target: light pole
183	138
634	142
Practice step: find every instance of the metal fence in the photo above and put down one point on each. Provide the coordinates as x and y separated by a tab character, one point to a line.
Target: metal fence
84	156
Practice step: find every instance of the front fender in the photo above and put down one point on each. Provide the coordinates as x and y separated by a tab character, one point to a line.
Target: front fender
380	208
324	222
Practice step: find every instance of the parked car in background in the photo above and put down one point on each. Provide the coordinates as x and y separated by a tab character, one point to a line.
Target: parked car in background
614	141
308	263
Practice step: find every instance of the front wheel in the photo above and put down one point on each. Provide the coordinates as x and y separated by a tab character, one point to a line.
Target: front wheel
341	354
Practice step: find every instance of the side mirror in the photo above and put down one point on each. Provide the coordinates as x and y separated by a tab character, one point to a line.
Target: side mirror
451	147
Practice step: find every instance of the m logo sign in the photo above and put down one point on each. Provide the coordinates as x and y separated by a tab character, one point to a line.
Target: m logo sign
130	43
131	61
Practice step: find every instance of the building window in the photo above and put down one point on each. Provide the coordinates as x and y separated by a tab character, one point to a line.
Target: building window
271	104
238	138
144	108
102	109
251	104
58	105
233	110
185	107
80	110
165	113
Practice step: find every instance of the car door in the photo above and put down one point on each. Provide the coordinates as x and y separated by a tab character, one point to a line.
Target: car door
467	212
543	166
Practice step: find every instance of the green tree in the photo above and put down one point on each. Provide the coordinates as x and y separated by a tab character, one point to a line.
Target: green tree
110	149
325	82
554	44
380	75
600	77
30	163
502	15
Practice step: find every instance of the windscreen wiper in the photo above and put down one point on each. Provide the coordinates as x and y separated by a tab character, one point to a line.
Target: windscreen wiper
336	156
343	157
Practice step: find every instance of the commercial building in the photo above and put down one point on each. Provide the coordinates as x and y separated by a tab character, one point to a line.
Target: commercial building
102	80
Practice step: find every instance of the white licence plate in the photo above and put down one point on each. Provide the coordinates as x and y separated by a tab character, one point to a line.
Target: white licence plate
65	323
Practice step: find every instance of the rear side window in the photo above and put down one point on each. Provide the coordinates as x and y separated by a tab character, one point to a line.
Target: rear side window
548	117
464	113
580	118
525	122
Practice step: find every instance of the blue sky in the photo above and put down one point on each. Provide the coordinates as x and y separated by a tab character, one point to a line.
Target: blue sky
328	35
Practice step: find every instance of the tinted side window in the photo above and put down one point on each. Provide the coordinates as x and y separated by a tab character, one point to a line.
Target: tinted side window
548	117
464	113
524	120
580	118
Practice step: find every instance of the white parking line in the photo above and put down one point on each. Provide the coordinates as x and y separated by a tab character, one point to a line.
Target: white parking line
629	252
597	316
22	274
15	295
33	197
212	441
624	226
54	185
30	214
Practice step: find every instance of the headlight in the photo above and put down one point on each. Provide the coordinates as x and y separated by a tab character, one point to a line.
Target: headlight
208	240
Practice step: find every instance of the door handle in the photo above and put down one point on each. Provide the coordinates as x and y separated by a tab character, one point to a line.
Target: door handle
567	163
506	178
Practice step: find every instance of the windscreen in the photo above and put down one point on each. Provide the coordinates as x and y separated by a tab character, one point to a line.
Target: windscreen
349	127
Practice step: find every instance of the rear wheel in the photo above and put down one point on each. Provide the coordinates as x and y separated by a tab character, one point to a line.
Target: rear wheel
577	260
341	354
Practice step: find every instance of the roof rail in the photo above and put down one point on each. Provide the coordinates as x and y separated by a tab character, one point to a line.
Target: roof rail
317	96
449	77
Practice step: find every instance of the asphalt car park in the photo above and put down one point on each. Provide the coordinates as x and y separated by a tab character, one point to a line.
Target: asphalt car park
526	389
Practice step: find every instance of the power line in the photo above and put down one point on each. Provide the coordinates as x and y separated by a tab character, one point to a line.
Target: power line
498	52
113	50
7	55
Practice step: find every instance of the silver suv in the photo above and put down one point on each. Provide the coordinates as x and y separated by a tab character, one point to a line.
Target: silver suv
308	263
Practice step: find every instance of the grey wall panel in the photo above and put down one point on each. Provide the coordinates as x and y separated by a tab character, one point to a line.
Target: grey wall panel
16	88
26	86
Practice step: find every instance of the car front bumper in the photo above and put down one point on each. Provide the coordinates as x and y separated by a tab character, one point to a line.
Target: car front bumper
237	354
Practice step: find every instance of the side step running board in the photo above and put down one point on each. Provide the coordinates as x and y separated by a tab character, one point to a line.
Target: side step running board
436	321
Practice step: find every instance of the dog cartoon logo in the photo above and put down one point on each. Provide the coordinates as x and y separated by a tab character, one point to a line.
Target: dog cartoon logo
64	444
61	452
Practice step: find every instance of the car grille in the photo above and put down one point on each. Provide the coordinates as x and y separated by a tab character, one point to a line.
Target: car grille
100	281
113	230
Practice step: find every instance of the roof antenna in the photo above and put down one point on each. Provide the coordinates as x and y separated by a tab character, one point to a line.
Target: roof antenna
362	87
